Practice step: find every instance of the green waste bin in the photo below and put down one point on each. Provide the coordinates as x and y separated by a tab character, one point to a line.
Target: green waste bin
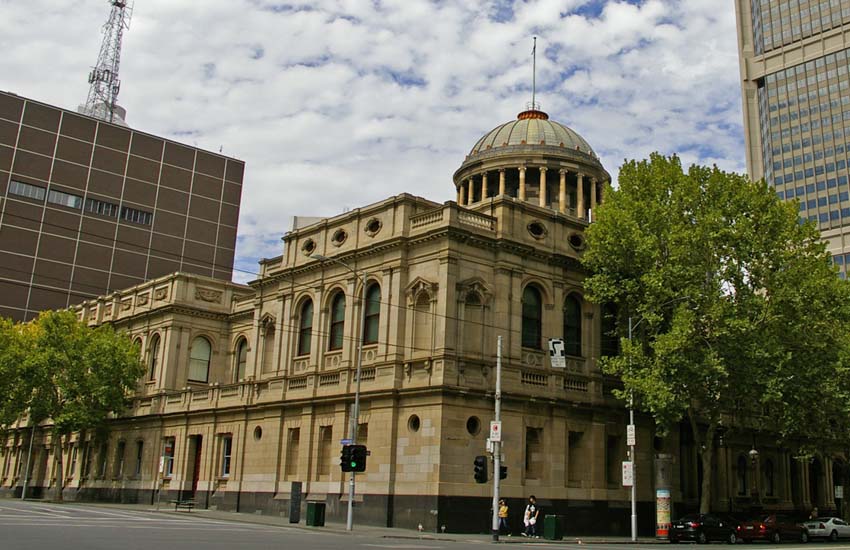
316	514
553	527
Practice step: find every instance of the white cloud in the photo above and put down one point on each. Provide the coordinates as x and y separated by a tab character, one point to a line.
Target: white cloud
335	104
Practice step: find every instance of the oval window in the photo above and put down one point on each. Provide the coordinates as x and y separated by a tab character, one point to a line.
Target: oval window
308	247
339	237
413	423
473	425
537	230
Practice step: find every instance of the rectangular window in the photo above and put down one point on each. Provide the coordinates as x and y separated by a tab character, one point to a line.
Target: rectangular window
140	452
102	460
226	452
168	457
136	216
534	453
323	468
26	190
120	451
101	208
292	448
65	199
87	457
612	460
73	467
574	456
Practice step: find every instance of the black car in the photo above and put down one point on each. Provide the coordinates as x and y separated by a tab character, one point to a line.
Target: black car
703	528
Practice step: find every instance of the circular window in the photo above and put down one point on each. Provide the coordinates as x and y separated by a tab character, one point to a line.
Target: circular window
537	230
373	226
413	423
308	247
473	425
577	241
339	237
258	433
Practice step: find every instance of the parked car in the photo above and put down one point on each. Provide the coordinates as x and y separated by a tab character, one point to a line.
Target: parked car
703	528
828	528
773	528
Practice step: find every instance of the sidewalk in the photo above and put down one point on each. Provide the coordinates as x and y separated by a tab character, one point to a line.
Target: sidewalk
359	530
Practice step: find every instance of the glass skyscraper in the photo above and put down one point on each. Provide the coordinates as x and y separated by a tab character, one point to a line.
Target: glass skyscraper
796	94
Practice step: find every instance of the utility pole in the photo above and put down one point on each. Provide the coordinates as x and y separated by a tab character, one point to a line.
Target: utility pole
29	460
632	447
497	445
103	79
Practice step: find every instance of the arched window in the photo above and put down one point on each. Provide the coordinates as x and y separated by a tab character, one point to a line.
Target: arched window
337	321
532	316
769	483
305	327
199	360
241	358
742	476
572	326
610	342
153	360
373	314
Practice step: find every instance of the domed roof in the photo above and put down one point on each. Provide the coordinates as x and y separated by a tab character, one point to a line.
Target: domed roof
532	128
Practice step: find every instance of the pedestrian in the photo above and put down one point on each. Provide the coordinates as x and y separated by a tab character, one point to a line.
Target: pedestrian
530	518
503	517
814	513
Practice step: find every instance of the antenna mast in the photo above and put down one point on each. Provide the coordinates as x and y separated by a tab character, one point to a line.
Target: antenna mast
534	75
105	84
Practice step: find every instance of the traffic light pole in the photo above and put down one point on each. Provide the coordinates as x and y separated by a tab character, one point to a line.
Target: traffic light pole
349	521
497	445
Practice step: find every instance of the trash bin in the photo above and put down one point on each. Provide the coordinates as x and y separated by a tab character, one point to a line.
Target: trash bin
553	527
316	514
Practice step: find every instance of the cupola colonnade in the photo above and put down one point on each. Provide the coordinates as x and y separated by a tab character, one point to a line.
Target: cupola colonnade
567	191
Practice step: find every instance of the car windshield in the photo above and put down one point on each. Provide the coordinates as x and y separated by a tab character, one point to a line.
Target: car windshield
690	517
824	520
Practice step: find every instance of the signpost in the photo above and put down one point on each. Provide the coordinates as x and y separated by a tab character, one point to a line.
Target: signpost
628	473
496	431
557	353
630	435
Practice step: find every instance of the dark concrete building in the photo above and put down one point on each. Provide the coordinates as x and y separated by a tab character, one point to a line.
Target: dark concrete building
88	207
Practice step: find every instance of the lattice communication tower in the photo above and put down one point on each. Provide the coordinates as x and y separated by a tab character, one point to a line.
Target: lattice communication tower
105	84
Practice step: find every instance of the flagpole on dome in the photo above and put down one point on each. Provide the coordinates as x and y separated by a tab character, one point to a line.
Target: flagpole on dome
534	76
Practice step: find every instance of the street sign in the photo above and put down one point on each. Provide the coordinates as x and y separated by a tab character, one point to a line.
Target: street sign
495	431
630	435
839	491
345	442
557	353
161	464
628	473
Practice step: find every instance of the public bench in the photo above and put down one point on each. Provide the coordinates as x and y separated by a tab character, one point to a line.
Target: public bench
186	504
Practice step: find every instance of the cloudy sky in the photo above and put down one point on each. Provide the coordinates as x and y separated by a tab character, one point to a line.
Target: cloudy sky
335	104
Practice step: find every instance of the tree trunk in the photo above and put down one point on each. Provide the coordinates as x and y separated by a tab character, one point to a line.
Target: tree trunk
60	480
705	450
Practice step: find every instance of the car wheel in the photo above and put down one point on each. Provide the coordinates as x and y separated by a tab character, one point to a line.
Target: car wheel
674	541
732	538
833	536
775	538
701	538
804	536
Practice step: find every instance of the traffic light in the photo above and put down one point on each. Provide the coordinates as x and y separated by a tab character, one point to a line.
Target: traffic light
503	472
345	458
480	469
358	458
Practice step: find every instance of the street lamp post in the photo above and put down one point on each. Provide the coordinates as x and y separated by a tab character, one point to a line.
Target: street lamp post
349	521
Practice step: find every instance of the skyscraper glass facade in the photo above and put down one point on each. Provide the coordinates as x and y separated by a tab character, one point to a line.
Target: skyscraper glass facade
797	107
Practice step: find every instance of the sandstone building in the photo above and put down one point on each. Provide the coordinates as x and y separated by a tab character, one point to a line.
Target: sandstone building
249	387
88	207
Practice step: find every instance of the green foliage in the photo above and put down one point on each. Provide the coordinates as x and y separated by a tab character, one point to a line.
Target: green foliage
736	305
66	372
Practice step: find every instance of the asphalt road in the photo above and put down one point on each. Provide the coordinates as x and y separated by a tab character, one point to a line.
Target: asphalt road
34	525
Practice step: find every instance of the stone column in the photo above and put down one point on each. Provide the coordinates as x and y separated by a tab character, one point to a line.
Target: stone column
543	193
471	197
502	181
484	190
593	197
522	183
460	194
562	193
580	196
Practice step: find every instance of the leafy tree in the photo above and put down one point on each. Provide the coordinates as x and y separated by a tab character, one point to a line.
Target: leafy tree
740	316
73	377
13	352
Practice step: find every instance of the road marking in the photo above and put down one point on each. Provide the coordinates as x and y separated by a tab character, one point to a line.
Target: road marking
400	546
